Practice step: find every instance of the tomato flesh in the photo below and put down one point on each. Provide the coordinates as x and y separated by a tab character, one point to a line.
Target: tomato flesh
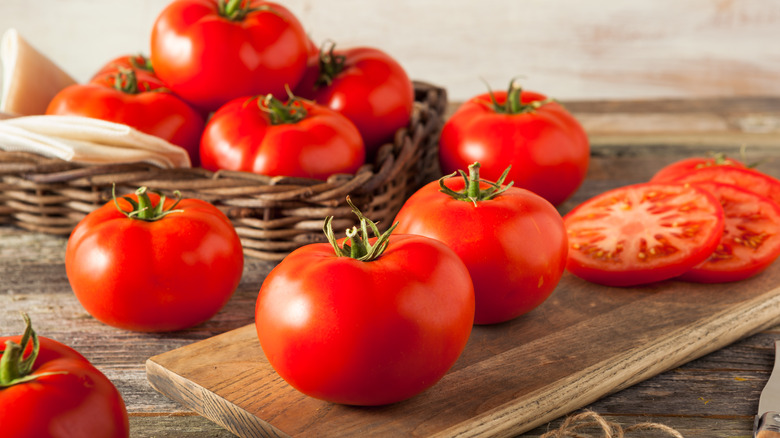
682	167
751	239
749	179
642	233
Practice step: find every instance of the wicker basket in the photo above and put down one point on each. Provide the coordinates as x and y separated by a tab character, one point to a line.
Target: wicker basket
273	216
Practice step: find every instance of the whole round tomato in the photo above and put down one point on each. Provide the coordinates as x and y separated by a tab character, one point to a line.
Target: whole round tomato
512	240
152	264
143	105
365	84
212	51
642	233
751	238
370	322
49	390
269	137
546	146
679	168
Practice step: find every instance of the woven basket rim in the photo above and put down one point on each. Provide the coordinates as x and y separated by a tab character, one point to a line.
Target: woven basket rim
273	215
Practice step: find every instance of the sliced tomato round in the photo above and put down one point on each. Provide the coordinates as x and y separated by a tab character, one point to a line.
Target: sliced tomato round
687	165
642	233
746	178
751	237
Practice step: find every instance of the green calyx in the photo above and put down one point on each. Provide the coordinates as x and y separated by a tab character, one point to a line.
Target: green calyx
719	159
283	113
144	209
237	10
514	103
331	64
126	81
141	62
14	367
357	245
472	191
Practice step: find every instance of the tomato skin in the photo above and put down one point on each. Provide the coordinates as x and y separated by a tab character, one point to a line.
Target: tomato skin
81	403
139	64
748	179
241	136
209	59
155	113
165	275
373	90
750	242
680	225
547	148
682	167
514	245
366	333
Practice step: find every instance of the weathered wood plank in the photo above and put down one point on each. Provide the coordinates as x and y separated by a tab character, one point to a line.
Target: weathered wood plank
175	426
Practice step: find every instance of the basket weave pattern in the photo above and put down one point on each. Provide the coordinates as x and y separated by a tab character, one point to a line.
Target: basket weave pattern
272	215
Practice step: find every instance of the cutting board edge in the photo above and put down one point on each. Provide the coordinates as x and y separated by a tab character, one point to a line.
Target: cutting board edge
206	403
756	311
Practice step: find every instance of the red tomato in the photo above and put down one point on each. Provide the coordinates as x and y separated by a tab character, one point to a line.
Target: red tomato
749	179
513	241
168	267
545	145
365	84
687	165
642	233
268	137
750	242
139	105
140	64
49	390
212	51
371	323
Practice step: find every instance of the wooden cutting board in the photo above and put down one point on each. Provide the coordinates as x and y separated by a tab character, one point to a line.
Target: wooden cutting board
585	342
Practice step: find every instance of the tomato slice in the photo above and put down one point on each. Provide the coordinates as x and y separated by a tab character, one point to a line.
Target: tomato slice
751	239
687	165
748	179
642	233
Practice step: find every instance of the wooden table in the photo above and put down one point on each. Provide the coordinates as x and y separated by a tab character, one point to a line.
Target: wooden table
713	396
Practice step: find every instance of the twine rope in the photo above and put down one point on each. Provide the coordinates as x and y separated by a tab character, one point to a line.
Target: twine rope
574	424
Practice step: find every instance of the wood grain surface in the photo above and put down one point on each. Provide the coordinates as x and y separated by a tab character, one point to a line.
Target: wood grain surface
714	396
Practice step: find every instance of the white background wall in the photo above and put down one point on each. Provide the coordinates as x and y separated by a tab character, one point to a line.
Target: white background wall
570	49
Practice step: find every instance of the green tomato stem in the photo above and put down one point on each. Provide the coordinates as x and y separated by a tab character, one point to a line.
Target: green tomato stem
145	64
331	64
283	113
14	367
144	209
357	245
126	81
472	191
237	10
514	103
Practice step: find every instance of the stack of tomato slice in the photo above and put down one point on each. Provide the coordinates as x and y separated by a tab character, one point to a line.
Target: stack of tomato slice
705	220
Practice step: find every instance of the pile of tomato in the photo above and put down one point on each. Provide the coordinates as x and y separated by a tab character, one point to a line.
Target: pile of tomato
240	86
705	220
376	317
